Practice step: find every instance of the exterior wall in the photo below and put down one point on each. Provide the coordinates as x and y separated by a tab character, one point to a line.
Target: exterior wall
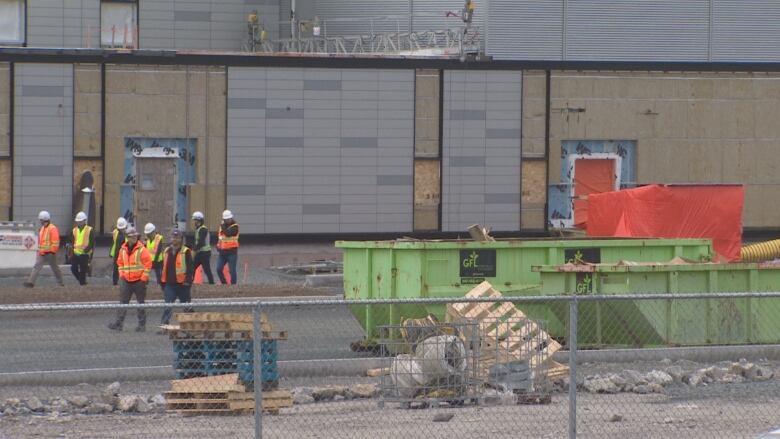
5	142
199	24
321	150
63	23
661	30
43	141
168	102
481	125
688	128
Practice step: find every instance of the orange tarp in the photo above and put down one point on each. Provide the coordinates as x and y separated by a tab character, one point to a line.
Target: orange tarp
700	211
591	176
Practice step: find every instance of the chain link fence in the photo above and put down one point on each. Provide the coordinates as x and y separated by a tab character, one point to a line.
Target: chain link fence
701	365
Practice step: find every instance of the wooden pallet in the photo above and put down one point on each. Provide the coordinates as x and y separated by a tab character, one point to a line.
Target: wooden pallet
176	332
216	317
225	403
218	383
506	334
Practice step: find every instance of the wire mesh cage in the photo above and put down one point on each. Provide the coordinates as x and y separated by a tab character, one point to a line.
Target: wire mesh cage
431	363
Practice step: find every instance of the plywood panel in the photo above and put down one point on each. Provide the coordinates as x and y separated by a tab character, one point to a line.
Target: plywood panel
5	183
534	184
427	182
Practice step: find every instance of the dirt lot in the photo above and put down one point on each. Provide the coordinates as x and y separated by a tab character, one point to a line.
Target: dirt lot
95	293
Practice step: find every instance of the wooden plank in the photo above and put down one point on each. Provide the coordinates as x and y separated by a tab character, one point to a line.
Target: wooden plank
217	317
217	383
212	396
177	404
218	325
213	412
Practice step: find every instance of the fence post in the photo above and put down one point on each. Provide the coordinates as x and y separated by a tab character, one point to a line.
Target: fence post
573	368
257	369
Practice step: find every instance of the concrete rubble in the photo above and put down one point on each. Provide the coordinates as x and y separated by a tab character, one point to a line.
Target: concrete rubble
656	380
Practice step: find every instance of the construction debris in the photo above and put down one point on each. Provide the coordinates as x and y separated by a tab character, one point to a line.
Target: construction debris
221	395
479	233
314	267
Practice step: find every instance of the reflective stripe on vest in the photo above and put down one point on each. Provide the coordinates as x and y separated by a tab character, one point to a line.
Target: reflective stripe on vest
181	265
81	239
45	243
153	245
227	242
207	246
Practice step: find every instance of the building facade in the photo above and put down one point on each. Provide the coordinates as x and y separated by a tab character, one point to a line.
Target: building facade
179	119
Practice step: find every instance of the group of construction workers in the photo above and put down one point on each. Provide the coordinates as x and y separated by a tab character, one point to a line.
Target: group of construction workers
134	259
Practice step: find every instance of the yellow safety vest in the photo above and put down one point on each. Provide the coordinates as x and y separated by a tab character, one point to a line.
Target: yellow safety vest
152	245
81	239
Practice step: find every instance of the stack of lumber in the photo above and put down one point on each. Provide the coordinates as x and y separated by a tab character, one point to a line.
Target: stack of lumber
506	334
217	325
220	395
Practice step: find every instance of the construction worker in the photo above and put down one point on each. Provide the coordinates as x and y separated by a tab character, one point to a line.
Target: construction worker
227	246
155	247
48	245
202	246
178	271
118	236
134	263
83	243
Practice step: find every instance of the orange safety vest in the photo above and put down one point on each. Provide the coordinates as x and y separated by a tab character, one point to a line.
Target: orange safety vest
48	239
227	242
181	265
135	264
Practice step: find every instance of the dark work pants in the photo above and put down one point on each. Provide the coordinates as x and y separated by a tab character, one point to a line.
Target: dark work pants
203	259
79	266
157	266
230	258
115	275
175	291
126	291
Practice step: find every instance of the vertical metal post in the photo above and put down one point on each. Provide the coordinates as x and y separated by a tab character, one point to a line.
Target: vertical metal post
573	368
257	365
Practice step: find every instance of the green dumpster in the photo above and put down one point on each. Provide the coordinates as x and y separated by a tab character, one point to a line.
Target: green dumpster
450	268
688	322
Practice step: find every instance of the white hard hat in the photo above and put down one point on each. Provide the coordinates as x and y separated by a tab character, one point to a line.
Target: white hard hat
227	215
44	216
197	215
81	216
121	223
149	228
131	231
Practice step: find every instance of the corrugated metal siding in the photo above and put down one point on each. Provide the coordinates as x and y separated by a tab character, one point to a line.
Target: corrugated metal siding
430	14
43	141
63	23
352	17
481	155
321	150
202	24
746	30
531	29
664	30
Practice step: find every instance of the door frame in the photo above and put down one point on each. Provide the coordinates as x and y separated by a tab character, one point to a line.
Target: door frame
151	154
570	161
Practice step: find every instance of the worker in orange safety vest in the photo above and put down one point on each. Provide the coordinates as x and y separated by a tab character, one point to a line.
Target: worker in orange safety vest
178	270
134	264
227	247
48	245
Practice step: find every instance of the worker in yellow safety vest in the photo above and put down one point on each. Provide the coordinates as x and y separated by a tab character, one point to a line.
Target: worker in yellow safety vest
118	238
134	263
83	243
155	246
48	245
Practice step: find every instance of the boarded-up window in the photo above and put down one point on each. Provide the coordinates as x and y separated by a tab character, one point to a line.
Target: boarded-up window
11	22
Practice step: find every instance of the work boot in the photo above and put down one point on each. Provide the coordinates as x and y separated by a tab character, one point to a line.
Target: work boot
115	326
28	284
140	328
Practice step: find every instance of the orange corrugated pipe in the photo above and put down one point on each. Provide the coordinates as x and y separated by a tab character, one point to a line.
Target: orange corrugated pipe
761	251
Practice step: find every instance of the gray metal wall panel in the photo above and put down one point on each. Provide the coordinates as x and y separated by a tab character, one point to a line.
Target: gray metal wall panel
43	135
202	24
431	14
63	23
667	30
321	172
745	30
481	154
531	29
351	17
